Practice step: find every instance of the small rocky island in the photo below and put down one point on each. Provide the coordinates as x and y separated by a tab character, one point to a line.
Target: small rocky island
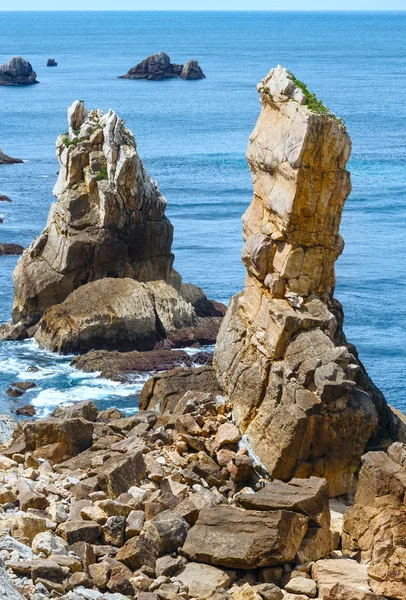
17	71
8	160
159	66
52	62
279	473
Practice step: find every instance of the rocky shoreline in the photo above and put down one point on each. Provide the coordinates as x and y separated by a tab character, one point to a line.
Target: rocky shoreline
277	472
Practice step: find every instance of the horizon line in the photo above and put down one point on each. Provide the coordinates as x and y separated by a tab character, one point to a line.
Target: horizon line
213	10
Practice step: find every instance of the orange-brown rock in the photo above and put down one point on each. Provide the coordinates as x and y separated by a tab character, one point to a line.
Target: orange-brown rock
299	392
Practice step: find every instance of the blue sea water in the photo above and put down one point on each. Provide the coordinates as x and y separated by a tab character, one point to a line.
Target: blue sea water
192	137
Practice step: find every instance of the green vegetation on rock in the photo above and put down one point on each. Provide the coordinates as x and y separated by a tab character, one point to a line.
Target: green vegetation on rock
102	174
313	103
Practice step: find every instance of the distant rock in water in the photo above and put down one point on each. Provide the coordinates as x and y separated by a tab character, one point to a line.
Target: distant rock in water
4	198
8	160
14	249
17	71
100	276
159	66
192	70
52	62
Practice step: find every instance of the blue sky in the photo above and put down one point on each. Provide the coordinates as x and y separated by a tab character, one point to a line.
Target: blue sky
205	5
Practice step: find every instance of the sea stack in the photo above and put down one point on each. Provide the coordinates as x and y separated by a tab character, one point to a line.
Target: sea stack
102	269
159	66
298	390
52	62
17	71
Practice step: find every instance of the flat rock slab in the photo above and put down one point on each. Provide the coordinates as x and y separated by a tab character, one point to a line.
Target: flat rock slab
307	496
344	571
245	539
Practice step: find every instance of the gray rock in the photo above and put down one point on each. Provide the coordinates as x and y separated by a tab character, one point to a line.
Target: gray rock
17	71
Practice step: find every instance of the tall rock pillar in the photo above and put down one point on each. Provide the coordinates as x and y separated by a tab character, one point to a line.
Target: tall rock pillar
298	390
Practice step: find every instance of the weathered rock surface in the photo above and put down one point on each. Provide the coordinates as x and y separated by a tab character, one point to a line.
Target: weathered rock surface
17	71
8	160
7	589
108	221
375	527
159	66
163	391
231	537
342	579
299	391
121	314
100	275
11	249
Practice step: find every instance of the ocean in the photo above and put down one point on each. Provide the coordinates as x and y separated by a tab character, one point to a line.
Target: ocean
192	137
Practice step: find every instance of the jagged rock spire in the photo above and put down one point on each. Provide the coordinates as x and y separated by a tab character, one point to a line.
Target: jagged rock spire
108	220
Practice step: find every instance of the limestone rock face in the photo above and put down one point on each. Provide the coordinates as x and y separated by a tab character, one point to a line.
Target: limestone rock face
136	316
298	390
375	527
108	220
17	71
159	66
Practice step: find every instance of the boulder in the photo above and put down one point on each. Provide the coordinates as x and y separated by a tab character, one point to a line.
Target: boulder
375	527
118	475
79	531
342	579
17	71
57	441
52	62
113	314
84	409
202	580
8	160
163	391
167	531
159	66
245	539
306	496
299	392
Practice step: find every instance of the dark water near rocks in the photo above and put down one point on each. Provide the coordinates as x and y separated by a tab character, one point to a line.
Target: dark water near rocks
192	137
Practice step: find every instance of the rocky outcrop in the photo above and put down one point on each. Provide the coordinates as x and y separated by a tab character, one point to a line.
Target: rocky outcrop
192	70
11	249
110	314
159	66
8	160
17	71
102	269
121	366
298	390
375	527
108	221
52	62
3	197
